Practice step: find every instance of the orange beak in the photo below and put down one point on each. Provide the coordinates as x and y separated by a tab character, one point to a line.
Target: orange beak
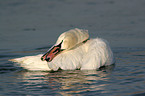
51	53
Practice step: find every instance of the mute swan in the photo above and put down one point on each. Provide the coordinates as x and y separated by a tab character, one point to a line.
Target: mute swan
73	50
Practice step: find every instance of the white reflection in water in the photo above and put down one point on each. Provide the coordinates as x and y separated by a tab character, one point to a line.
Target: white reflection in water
65	82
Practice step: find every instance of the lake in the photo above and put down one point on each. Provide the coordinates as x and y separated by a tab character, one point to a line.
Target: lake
30	27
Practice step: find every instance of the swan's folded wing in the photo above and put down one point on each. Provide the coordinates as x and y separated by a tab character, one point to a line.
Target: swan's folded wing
98	54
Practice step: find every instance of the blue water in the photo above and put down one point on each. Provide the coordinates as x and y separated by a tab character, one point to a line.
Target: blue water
31	27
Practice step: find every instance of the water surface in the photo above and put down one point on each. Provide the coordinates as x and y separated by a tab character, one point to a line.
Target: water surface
29	27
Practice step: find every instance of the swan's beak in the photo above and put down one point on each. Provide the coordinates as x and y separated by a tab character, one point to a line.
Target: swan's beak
51	53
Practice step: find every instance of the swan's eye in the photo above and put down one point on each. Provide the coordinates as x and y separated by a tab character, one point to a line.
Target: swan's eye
59	45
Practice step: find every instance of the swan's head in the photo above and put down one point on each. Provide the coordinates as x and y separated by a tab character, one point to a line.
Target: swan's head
66	41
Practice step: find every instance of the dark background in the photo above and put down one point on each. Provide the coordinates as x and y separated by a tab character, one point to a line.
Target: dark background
35	23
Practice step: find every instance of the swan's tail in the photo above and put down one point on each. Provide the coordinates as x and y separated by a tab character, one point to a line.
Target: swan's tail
32	63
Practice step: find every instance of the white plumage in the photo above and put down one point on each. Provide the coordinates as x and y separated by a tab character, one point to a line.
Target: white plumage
79	52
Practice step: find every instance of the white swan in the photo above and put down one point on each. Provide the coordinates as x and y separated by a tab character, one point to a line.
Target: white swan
73	50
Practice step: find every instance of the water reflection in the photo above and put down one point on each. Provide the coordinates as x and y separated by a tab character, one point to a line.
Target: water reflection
64	82
77	81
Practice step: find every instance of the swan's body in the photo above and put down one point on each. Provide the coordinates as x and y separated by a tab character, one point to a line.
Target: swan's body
79	52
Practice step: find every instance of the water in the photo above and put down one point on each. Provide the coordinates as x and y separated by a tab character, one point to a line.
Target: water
30	27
